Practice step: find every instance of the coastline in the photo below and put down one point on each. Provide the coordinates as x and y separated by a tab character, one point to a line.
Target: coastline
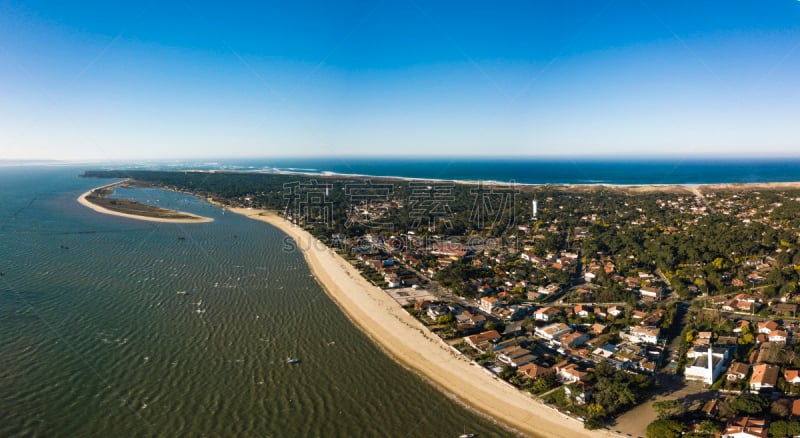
86	203
409	342
687	188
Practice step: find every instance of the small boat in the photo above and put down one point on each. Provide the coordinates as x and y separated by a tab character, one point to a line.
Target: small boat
64	247
467	435
181	238
181	292
292	360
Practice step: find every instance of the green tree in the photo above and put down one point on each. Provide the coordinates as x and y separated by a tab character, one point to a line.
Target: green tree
784	428
708	427
445	319
664	429
669	408
749	404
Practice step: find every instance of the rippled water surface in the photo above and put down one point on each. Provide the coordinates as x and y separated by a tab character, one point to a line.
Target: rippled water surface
96	341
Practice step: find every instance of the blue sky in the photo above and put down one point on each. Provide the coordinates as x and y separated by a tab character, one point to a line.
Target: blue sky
535	78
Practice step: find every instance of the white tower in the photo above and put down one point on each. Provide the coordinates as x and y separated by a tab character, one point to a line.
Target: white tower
535	207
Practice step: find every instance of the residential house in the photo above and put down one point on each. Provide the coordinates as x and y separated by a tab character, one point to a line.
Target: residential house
487	304
615	311
582	310
778	336
468	318
552	331
740	325
796	408
437	310
764	376
392	280
570	373
573	339
480	340
598	328
708	364
766	327
546	313
647	335
792	376
746	427
454	252
552	288
711	408
534	371
652	292
738	371
516	356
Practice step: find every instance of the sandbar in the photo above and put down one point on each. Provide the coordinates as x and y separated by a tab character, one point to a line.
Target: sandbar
195	219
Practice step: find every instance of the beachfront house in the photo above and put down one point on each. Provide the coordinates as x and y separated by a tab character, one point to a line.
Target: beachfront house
483	340
516	356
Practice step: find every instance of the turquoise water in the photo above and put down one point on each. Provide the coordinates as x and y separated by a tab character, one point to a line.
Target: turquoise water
604	170
95	341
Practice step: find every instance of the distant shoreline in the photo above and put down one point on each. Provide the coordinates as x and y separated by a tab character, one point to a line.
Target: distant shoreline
626	188
193	219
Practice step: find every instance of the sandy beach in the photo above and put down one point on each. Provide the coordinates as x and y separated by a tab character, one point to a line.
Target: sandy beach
409	342
85	202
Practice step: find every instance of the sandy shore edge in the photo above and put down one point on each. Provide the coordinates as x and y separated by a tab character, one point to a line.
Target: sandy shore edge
412	344
85	202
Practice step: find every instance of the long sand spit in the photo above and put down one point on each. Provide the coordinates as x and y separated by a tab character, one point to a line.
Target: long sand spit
412	344
195	219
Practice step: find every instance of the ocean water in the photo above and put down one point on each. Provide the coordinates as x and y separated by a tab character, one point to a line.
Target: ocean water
524	170
95	341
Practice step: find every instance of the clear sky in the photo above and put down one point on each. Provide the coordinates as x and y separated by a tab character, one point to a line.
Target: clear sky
122	79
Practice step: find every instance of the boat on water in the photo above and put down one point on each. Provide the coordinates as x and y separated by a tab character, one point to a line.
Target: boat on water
181	292
467	435
292	360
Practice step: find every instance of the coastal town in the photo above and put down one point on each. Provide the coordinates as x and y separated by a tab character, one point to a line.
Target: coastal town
645	312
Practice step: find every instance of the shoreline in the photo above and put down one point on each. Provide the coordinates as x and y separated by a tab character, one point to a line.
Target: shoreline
688	188
409	342
86	203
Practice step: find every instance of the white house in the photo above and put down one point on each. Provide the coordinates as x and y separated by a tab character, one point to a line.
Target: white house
488	303
778	336
745	427
647	335
552	288
546	313
707	367
552	331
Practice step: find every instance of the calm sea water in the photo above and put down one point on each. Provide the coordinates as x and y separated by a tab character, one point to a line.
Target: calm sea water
95	341
527	170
